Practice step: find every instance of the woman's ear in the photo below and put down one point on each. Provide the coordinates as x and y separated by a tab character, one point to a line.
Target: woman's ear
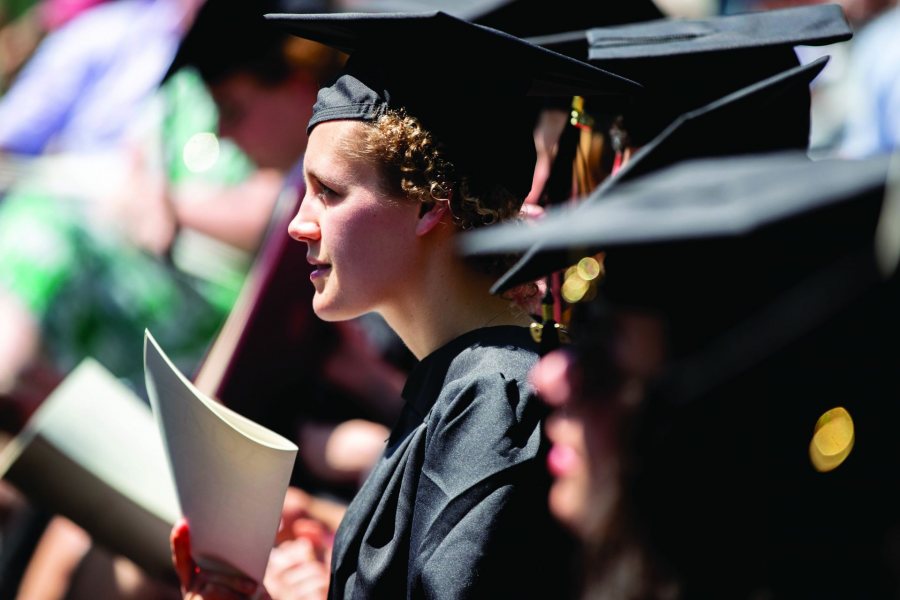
432	217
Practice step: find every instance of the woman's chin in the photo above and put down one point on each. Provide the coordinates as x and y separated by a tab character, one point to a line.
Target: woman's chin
329	310
327	315
323	307
566	502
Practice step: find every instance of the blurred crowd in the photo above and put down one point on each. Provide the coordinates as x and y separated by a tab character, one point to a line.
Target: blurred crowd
151	157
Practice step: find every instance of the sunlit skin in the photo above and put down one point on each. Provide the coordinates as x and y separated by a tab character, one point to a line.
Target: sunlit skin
362	244
375	252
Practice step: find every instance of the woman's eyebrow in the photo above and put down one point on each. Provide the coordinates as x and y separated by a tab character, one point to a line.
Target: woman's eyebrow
335	176
330	182
312	175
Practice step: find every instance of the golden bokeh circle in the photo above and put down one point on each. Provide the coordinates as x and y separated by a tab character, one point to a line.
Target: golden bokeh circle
833	439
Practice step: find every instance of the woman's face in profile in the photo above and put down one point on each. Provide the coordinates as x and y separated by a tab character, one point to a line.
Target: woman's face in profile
362	243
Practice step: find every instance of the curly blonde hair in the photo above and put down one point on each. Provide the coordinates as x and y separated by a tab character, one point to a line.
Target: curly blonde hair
414	165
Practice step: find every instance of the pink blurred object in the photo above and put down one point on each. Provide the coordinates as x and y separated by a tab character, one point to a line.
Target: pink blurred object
56	13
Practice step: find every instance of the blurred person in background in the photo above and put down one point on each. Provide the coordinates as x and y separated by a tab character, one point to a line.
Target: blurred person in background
20	32
86	82
873	118
72	109
24	23
84	272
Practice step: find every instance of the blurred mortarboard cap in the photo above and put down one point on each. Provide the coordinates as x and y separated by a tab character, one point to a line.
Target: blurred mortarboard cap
709	244
708	199
228	35
785	28
747	259
741	123
685	64
713	240
522	17
468	84
769	115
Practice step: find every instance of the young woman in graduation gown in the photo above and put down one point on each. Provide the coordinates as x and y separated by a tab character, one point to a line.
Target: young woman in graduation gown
457	506
395	170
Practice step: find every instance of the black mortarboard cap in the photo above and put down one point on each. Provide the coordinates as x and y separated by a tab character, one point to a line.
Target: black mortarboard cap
522	17
685	64
744	122
466	83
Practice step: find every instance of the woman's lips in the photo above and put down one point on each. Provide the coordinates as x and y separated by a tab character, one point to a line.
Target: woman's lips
561	460
320	271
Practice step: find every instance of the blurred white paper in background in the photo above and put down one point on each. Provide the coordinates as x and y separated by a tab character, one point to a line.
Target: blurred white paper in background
92	453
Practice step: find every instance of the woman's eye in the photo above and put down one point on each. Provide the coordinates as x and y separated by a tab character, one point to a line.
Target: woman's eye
326	193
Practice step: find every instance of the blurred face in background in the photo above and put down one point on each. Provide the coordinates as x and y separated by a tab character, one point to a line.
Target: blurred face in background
586	424
267	121
583	458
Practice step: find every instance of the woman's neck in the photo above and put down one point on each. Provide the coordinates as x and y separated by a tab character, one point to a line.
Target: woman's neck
450	299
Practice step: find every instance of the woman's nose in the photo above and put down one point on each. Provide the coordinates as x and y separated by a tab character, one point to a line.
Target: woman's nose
304	227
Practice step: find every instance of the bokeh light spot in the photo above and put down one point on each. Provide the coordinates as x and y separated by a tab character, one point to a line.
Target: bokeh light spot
589	268
201	152
832	440
574	288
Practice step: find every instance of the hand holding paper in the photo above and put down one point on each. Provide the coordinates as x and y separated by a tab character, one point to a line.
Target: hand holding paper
230	473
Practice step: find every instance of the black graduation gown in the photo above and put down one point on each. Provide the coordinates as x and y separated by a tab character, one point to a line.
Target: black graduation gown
457	506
